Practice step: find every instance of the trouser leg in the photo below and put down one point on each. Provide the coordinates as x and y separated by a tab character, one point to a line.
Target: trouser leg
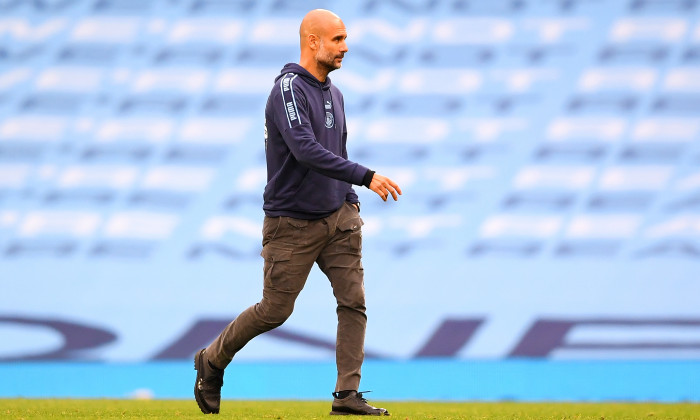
285	271
271	312
341	261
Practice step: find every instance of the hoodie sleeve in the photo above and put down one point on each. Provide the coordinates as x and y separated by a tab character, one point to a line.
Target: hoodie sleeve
293	121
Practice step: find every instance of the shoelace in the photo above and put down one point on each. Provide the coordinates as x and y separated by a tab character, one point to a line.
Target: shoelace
359	395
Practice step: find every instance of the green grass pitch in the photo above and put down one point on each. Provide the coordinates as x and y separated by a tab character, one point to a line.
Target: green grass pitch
293	410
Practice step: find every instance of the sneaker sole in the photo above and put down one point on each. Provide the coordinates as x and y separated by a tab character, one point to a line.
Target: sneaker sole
345	413
200	402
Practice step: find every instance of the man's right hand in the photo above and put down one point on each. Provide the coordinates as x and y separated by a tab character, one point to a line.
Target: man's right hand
384	186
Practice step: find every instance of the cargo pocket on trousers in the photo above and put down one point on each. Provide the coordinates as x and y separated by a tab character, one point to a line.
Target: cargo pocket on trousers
353	228
276	268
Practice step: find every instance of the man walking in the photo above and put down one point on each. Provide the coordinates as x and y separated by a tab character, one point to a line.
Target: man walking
311	216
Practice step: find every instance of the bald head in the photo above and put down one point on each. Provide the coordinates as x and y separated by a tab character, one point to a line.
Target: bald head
322	42
317	22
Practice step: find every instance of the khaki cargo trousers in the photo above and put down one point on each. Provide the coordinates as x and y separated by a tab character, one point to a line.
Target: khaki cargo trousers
290	248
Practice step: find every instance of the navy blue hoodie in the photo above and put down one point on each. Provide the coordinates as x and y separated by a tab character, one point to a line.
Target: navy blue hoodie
309	175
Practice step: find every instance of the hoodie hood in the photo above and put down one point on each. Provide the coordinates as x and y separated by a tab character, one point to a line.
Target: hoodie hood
303	73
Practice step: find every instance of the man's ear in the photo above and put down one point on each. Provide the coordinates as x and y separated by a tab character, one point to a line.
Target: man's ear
313	41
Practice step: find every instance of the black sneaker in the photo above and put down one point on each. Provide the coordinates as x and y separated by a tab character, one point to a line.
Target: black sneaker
207	386
354	404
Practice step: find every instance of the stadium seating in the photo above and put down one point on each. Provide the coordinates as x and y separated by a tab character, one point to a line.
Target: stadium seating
547	150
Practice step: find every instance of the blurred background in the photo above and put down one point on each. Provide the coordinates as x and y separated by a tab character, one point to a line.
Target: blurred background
546	245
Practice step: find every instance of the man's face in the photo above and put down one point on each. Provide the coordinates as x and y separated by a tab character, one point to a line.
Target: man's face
332	47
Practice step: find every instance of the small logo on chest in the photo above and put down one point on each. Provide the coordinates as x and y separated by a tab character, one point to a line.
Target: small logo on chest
329	120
